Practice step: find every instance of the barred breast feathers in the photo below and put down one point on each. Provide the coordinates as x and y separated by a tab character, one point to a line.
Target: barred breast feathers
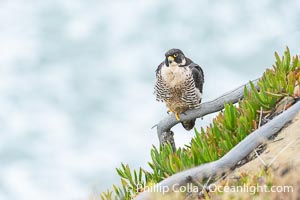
161	89
169	79
191	96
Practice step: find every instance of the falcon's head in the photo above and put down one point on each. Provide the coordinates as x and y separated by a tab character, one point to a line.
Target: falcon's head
174	57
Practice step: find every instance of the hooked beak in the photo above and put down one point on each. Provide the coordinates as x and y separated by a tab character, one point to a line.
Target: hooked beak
169	60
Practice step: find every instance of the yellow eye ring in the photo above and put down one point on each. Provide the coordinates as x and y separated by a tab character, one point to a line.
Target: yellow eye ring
175	55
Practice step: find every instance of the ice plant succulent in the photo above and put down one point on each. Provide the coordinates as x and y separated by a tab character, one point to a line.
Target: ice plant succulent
227	129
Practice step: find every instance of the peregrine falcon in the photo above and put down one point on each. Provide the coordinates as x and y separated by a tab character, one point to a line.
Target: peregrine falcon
179	83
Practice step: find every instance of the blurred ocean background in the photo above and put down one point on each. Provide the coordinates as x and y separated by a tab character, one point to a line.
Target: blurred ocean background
76	81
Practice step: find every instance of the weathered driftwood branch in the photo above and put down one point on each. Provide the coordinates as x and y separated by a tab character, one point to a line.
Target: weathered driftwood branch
229	160
168	137
165	125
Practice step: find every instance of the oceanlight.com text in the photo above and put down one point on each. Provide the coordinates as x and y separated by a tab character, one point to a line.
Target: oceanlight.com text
214	188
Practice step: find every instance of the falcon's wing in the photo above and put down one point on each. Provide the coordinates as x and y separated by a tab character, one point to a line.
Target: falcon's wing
198	75
159	67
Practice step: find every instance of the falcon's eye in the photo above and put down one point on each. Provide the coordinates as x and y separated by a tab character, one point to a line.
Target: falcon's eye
175	55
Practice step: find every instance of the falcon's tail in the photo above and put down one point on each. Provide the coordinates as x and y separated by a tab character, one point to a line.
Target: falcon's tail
188	125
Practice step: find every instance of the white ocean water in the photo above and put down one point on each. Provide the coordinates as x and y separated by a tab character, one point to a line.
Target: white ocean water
76	81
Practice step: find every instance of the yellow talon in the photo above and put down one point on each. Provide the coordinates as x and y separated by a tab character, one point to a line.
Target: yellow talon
177	116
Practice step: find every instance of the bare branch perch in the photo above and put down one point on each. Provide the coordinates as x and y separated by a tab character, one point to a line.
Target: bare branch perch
229	160
164	126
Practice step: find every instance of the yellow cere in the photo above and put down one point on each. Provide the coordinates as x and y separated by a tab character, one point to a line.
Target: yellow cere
170	58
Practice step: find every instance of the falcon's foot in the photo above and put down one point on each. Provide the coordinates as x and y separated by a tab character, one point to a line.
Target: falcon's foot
175	113
177	116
